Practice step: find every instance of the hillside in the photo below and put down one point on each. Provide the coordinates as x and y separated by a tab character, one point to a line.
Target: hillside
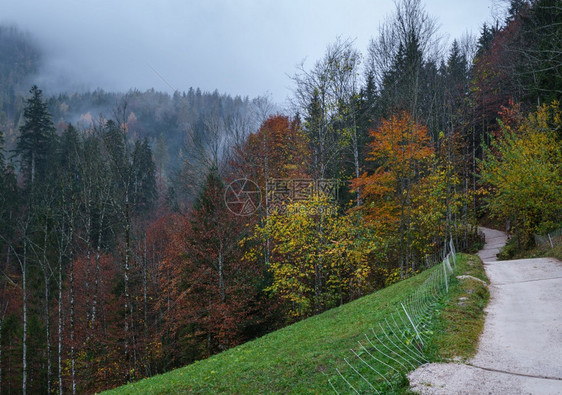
162	117
301	358
142	231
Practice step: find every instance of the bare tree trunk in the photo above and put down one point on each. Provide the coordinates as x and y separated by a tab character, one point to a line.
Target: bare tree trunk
97	270
5	308
24	336
402	226
473	169
1	322
356	163
221	273
60	321
319	266
129	337
45	267
266	178
88	266
72	337
47	331
409	256
145	307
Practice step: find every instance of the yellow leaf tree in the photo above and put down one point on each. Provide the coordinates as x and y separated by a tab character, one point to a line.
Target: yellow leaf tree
318	257
522	174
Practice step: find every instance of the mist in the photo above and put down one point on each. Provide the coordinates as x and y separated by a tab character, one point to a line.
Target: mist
246	48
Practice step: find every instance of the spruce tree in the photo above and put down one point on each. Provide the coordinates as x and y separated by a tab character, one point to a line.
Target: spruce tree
8	195
144	177
36	139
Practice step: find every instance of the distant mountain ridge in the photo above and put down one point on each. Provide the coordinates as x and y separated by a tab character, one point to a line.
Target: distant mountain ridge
151	114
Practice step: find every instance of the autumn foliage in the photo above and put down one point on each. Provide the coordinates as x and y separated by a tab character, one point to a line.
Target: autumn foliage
277	150
318	258
521	173
110	273
400	150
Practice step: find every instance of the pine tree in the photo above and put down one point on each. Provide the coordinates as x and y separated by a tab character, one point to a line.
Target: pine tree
487	35
144	176
8	198
214	269
37	135
539	48
313	129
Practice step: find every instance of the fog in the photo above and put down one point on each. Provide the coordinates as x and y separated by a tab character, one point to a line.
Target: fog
240	47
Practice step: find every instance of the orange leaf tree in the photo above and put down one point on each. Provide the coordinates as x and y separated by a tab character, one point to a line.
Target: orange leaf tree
402	152
278	150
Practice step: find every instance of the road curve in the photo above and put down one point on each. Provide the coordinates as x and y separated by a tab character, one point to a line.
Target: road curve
520	349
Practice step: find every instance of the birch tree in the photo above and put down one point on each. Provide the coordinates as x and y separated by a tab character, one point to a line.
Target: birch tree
324	96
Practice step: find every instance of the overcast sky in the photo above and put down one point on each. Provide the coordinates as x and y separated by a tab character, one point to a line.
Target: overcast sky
240	47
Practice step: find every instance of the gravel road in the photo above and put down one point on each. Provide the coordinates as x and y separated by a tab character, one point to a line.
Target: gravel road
520	350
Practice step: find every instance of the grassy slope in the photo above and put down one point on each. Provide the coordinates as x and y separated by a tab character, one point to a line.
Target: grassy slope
461	322
539	252
555	252
298	358
511	251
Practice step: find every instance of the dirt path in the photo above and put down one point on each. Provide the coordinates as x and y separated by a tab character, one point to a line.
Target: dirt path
520	350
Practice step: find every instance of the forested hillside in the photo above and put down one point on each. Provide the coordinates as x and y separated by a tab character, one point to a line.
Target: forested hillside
142	231
18	63
163	118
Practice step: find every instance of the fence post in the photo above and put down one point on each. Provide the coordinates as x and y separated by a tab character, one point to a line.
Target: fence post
445	273
453	251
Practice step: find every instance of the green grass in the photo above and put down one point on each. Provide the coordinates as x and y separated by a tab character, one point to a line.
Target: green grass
536	252
460	323
555	252
300	358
